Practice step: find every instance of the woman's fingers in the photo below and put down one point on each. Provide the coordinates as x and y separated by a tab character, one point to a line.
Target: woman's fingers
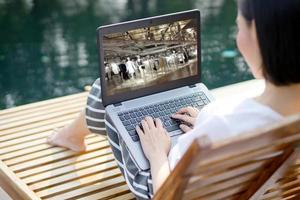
183	110
140	132
189	110
185	118
145	126
158	123
150	122
185	128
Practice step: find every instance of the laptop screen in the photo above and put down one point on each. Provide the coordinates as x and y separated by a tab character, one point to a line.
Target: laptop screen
150	56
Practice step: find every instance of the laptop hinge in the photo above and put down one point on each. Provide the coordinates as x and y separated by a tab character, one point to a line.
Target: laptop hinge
192	86
117	104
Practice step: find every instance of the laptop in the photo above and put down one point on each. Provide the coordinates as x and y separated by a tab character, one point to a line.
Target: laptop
150	67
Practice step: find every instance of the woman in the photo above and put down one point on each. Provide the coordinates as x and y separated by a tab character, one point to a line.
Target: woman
269	40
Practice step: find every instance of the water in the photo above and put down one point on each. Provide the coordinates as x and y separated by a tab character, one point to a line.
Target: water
48	47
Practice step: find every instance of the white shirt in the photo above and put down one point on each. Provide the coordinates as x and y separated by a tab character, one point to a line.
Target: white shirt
115	68
130	67
223	119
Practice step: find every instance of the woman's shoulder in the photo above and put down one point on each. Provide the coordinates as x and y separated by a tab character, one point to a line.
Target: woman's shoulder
238	107
233	118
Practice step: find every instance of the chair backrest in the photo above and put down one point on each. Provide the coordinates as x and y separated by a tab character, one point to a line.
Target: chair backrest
244	167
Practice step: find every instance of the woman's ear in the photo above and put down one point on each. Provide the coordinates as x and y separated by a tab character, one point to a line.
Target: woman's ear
258	69
253	31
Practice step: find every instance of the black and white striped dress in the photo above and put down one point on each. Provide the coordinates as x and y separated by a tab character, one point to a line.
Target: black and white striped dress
139	181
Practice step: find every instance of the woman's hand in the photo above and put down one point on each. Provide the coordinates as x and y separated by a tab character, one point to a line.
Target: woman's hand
188	116
156	142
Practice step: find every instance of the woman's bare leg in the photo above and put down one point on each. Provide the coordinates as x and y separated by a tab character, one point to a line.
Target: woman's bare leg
72	135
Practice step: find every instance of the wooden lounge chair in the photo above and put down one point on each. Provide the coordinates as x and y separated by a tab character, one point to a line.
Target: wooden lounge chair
33	170
258	165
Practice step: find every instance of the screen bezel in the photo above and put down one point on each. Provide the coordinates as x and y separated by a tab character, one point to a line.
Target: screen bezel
141	23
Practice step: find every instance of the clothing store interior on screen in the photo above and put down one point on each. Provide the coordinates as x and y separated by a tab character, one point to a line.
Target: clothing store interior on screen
150	56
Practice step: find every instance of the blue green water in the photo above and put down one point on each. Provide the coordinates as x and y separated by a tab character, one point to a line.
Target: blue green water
48	47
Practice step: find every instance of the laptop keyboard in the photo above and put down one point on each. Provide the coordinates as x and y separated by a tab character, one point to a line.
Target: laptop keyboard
163	111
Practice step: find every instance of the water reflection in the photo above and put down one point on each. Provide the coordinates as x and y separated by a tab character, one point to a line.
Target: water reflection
48	47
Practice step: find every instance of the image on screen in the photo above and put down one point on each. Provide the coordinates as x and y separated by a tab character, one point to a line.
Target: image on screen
150	56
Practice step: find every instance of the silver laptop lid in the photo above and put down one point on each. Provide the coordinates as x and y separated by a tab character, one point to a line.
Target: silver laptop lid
147	56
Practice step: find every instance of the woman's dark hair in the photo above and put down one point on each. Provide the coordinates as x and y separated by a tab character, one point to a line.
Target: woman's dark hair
278	32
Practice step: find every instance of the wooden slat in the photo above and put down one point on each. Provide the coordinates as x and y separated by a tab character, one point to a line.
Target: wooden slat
9	149
272	172
219	195
70	181
202	191
37	130
36	125
206	181
26	151
29	121
99	188
233	160
62	163
280	133
36	181
111	194
40	111
24	139
127	196
58	156
47	152
5	113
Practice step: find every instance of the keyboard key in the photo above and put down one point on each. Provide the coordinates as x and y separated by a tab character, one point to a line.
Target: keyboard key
126	123
130	127
122	118
189	101
161	114
132	121
168	112
132	132
155	115
172	128
132	115
161	108
139	114
145	112
165	118
127	116
200	103
135	138
167	124
150	111
173	122
166	106
203	97
174	110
